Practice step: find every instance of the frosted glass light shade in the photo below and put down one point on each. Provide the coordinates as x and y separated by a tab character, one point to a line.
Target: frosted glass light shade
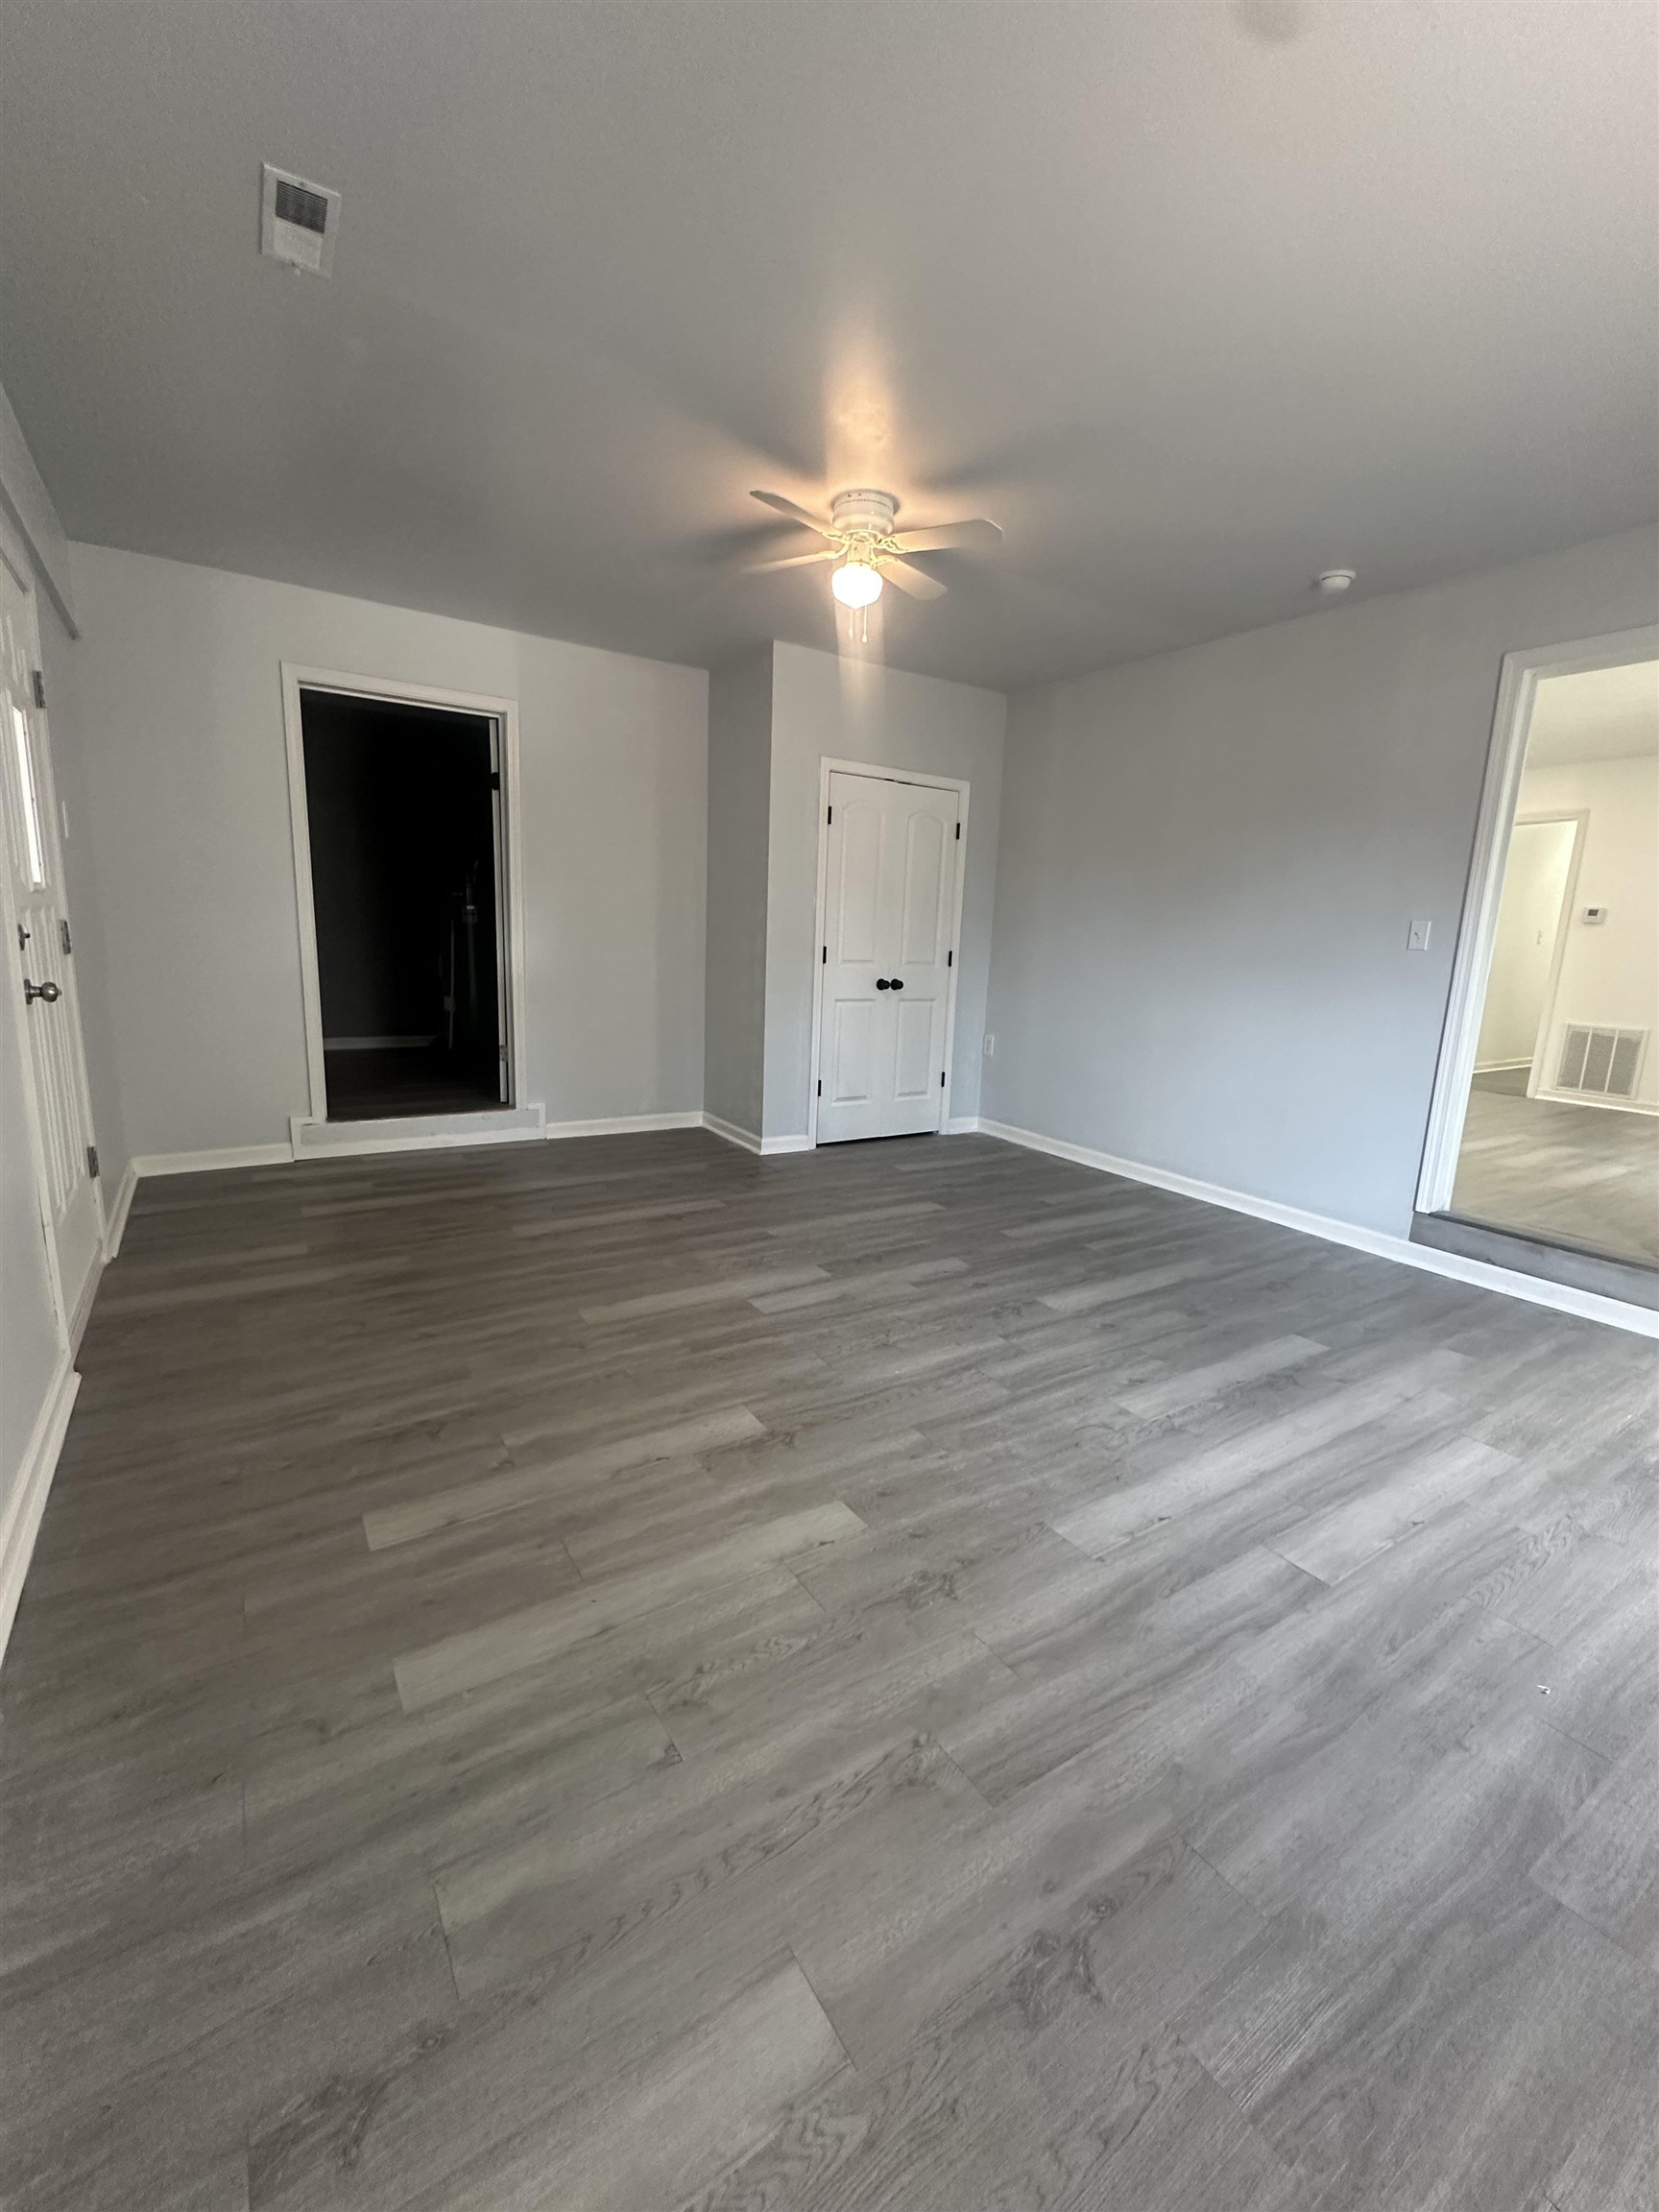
855	584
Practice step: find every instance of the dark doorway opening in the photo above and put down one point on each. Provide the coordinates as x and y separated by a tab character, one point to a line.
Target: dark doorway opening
403	808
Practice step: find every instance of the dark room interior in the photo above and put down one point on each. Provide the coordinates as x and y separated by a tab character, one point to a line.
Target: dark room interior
401	814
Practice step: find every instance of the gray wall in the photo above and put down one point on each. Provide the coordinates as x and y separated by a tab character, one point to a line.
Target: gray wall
739	795
178	703
822	707
1209	862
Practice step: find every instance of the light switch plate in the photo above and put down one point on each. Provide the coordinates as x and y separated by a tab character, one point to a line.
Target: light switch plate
1417	938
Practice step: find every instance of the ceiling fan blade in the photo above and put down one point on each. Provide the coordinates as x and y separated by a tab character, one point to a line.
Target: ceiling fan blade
916	581
978	532
790	561
789	507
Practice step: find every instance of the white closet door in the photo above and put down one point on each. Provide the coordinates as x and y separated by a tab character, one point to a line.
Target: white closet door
890	899
41	964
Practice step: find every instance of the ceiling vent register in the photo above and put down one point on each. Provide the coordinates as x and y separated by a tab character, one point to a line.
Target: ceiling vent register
297	221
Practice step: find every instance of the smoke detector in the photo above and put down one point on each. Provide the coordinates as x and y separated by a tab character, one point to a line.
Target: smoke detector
298	220
1332	583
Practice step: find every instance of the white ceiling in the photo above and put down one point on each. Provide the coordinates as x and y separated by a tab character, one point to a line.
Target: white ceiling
1605	715
1194	299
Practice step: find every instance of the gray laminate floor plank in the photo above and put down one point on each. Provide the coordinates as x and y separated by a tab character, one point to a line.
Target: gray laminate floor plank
913	1675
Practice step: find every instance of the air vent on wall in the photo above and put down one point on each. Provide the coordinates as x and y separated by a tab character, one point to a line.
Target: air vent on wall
1600	1063
298	220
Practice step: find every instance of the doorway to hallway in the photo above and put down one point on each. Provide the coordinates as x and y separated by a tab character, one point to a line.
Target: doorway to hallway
408	990
1546	1125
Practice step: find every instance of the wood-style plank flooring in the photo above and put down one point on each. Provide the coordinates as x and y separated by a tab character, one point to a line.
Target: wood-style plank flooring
620	1675
375	1085
1585	1175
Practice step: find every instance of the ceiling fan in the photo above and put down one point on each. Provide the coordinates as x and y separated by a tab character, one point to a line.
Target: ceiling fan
861	538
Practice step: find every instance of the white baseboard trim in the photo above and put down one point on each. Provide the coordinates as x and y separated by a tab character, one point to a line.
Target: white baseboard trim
82	1313
962	1125
1500	1066
1602	1105
30	1484
374	1043
626	1124
415	1132
767	1146
1535	1290
744	1139
359	1139
115	1223
204	1162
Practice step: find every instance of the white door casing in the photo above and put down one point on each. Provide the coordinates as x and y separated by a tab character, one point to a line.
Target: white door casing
891	870
1517	687
510	933
41	964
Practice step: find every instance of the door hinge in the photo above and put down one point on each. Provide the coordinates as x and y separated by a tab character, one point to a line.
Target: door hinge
93	1161
23	936
494	779
820	1086
39	687
825	962
949	959
64	936
830	816
958	832
941	1079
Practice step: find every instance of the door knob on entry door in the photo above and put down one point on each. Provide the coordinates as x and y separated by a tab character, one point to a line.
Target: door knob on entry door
47	991
889	983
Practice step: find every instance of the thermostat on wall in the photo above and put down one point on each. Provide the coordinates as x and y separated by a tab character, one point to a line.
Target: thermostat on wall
1592	915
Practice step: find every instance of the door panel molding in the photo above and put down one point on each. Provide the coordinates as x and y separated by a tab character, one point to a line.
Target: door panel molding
948	906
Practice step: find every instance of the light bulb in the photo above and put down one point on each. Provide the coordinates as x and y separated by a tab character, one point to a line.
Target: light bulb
856	584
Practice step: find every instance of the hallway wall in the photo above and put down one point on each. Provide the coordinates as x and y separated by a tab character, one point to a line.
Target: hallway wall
1535	874
1609	970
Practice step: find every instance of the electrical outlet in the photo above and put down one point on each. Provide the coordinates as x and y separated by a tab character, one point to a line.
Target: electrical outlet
1417	937
990	1046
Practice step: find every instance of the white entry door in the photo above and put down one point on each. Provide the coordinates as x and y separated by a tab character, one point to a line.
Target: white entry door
41	968
889	908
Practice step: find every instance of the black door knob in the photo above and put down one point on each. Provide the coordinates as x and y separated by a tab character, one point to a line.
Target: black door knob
47	991
897	984
882	984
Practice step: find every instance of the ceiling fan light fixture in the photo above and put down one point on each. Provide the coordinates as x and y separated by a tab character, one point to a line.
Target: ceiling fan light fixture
856	584
861	538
